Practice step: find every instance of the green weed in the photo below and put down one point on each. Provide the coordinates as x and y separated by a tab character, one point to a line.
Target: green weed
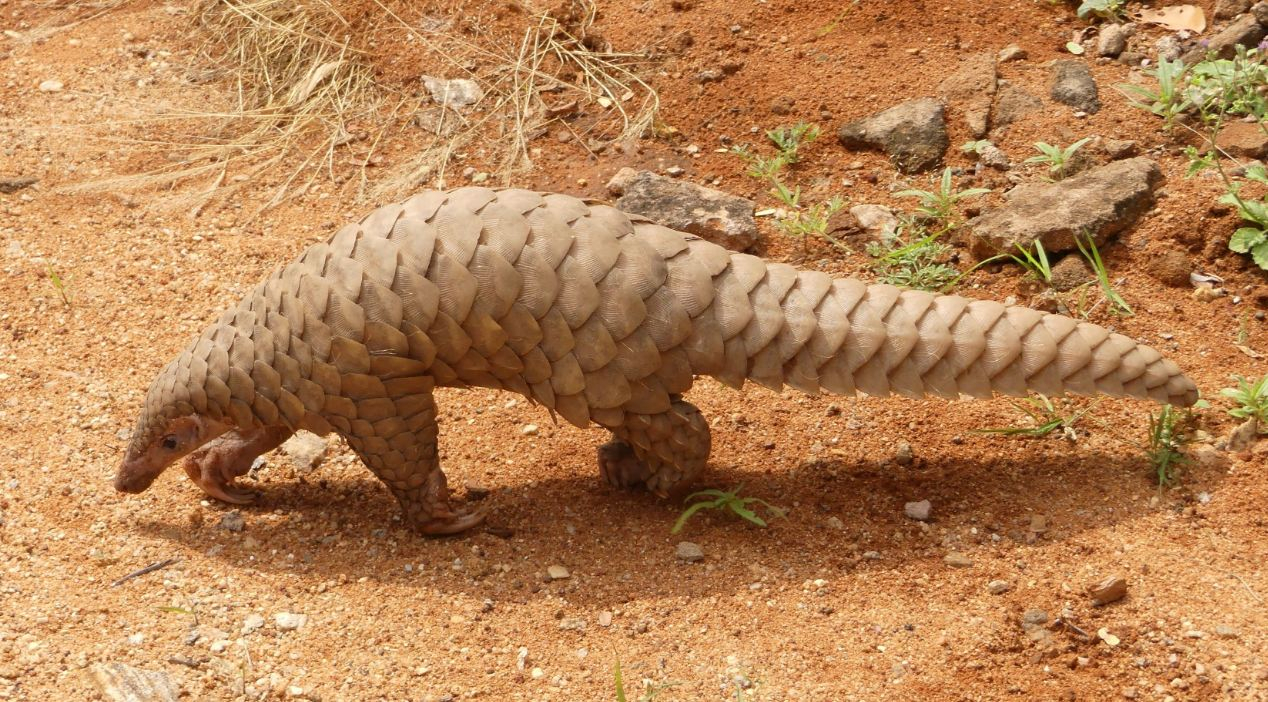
1165	449
1168	101
1044	419
801	221
1251	398
940	205
1035	261
1105	9
1057	158
58	284
919	264
1087	247
723	501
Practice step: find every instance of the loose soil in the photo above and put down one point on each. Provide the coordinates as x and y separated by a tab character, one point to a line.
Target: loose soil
845	599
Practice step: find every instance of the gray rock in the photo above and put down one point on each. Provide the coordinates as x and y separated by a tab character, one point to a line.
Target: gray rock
12	185
991	155
232	521
722	218
305	450
1243	437
1260	11
119	682
1117	149
1228	9
689	552
1013	103
1132	58
289	621
1100	202
1245	30
998	587
1111	589
454	92
919	511
1113	39
913	134
1243	140
1070	272
903	455
1073	85
878	221
1168	47
1226	632
1012	52
955	559
972	88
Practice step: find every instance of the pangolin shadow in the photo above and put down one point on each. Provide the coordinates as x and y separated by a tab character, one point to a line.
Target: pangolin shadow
622	539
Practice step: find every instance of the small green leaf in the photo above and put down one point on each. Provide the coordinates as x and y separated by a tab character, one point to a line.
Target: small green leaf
1259	255
1074	47
1247	238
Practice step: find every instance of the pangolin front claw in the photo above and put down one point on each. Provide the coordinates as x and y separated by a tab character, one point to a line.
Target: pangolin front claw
211	475
452	524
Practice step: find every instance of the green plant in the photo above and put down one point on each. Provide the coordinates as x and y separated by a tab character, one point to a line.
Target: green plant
1044	418
724	500
650	689
1089	250
1165	449
1035	261
1105	9
1057	158
800	221
976	147
919	264
1168	101
1251	239
939	205
58	284
1251	399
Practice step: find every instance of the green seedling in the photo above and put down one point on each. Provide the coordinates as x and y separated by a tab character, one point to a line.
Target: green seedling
1087	247
1251	398
919	264
1165	449
940	204
723	500
58	284
1168	101
1252	239
1044	418
1035	262
1057	158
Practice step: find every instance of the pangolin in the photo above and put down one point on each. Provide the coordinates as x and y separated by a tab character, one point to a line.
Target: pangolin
599	315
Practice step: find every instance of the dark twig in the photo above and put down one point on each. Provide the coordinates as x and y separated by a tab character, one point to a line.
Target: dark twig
148	569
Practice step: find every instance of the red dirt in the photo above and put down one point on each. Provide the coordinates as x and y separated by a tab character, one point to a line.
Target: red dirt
844	599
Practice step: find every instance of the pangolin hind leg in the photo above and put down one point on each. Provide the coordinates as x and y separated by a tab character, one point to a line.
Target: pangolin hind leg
214	467
400	450
661	452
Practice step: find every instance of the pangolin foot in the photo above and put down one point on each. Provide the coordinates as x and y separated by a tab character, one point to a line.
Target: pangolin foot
621	468
452	523
215	471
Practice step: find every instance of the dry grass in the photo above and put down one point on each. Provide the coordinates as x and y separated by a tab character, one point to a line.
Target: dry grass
303	89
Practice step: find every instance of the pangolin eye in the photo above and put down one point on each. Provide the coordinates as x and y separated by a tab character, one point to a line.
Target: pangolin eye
169	442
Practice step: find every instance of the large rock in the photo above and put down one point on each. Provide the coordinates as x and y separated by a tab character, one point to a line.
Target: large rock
971	89
913	134
1072	85
1013	103
1101	203
1246	30
724	219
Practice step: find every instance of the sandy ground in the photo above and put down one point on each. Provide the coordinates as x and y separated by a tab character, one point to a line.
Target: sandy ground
845	599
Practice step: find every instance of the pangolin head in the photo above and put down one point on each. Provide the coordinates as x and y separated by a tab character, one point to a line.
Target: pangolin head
169	427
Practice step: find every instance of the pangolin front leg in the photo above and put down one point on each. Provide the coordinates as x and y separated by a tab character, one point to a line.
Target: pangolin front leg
661	452
216	466
401	451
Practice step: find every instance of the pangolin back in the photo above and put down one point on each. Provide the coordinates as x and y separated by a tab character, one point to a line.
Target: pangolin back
593	313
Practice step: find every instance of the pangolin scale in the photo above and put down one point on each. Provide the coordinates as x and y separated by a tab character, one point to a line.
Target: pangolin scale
600	316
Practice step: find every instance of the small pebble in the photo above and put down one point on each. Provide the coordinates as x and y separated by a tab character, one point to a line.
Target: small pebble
605	619
233	521
529	430
252	623
51	86
918	511
287	621
903	455
1111	589
558	572
1226	632
835	523
689	552
998	587
955	559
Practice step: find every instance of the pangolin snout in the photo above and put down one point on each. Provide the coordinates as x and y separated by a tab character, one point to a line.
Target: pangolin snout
133	477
